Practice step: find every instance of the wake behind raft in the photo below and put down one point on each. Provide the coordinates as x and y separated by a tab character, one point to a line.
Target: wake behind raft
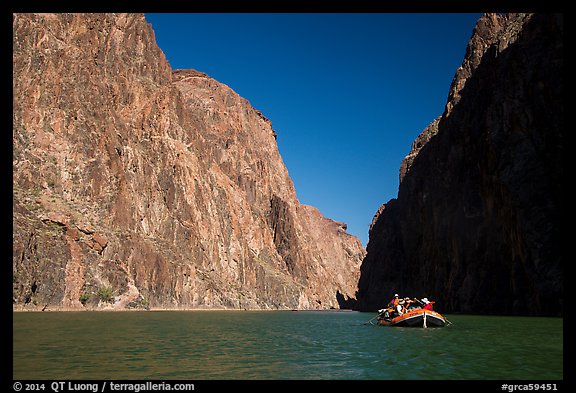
407	313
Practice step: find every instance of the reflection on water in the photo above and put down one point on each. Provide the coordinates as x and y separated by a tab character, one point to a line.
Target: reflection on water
280	345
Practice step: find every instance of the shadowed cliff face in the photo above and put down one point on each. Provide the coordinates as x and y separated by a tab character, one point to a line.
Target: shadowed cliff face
136	186
476	225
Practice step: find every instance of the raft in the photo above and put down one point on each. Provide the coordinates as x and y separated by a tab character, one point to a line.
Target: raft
416	317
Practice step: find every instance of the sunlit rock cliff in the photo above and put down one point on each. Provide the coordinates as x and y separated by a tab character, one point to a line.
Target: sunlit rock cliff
136	186
477	222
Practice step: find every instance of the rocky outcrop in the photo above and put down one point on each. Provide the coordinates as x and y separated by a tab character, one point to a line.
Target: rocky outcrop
476	224
137	186
422	139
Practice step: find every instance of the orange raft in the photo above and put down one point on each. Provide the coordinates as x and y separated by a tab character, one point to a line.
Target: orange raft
416	317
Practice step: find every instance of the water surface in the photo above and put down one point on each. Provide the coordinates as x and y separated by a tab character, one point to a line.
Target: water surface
280	345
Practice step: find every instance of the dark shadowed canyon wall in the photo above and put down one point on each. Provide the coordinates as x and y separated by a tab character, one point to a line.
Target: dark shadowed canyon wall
477	222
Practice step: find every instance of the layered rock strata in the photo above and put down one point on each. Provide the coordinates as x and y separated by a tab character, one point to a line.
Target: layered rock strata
477	221
136	186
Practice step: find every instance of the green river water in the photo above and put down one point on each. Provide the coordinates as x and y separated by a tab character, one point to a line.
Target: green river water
246	345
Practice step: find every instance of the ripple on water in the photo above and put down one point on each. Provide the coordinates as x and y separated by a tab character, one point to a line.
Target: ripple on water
280	345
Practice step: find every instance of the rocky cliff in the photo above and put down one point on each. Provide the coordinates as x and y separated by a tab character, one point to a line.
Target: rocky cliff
137	186
476	224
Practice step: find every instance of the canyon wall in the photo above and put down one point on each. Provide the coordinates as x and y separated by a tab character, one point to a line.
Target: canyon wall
137	186
477	222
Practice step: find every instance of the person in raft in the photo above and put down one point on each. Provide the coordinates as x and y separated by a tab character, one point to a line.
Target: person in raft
393	307
394	302
427	304
408	303
397	305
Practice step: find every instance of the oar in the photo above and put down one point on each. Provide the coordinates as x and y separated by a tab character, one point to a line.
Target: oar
370	321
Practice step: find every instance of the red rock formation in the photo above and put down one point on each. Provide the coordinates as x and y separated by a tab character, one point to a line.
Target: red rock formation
476	224
164	188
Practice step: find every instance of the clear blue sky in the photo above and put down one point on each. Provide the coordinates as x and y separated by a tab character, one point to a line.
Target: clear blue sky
346	93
